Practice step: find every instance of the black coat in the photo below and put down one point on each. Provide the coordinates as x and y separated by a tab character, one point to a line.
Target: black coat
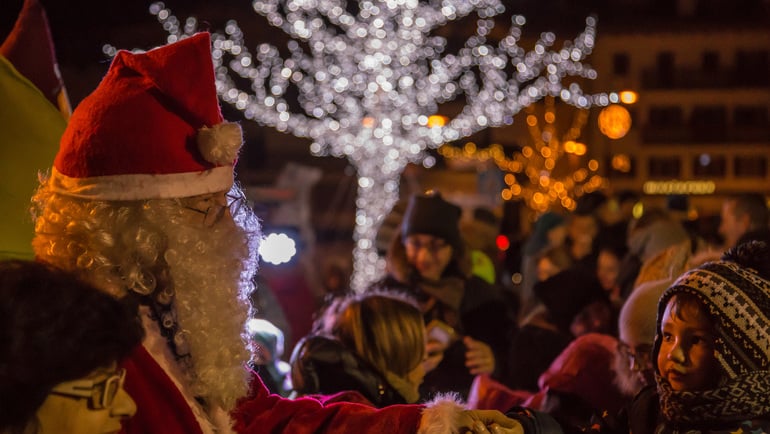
323	365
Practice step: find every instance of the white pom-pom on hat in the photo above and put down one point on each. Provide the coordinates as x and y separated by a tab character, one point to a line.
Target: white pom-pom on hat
220	144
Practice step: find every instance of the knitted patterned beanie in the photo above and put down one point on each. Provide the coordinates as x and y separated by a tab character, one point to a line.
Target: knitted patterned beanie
737	299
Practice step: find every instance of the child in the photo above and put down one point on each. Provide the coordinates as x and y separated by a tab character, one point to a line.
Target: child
713	348
712	351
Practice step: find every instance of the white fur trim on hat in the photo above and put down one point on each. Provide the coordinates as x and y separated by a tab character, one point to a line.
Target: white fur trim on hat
220	144
441	415
144	186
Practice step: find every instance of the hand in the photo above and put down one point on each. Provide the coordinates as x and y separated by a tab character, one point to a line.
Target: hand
479	358
486	422
434	351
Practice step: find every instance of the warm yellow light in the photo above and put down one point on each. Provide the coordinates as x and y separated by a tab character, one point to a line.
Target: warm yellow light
593	165
516	189
621	163
506	194
368	122
436	121
538	198
628	97
679	187
509	179
614	121
550	117
545	152
527	151
531	120
580	149
569	146
469	148
549	164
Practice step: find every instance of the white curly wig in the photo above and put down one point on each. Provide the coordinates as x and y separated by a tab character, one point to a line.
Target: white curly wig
153	251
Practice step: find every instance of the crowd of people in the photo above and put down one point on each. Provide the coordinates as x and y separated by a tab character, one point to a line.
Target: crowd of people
132	315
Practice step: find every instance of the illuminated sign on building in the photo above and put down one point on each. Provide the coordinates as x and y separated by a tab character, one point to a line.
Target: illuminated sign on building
679	187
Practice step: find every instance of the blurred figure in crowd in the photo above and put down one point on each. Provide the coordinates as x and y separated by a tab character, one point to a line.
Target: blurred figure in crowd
267	343
549	231
744	217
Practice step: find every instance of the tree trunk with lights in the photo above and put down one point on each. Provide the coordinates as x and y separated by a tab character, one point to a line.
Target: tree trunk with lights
368	81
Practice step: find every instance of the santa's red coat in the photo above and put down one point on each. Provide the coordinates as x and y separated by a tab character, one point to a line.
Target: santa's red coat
162	409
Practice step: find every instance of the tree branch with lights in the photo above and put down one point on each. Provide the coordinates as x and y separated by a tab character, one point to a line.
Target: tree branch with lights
367	82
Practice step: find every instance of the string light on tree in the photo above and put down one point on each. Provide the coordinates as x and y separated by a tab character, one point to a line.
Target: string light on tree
368	81
550	171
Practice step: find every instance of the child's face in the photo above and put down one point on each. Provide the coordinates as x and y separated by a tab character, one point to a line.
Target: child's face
686	358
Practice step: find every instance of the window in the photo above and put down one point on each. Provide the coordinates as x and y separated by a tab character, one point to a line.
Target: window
754	166
709	116
664	167
621	166
750	116
620	64
709	123
666	69
752	67
710	61
710	166
665	116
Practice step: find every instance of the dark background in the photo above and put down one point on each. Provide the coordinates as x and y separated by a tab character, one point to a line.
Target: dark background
80	28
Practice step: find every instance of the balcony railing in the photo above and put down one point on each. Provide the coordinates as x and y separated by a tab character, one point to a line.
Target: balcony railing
691	134
695	78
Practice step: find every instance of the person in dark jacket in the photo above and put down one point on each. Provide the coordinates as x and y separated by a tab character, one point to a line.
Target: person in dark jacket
375	347
469	319
565	299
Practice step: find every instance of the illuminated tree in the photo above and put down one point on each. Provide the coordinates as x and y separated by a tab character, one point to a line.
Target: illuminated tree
550	171
368	81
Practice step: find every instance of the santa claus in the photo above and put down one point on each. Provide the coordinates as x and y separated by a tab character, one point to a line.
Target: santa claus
141	202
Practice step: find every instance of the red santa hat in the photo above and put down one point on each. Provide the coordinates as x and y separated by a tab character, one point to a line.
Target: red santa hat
152	129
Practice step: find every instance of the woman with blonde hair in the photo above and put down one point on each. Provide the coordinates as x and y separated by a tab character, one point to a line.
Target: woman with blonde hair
375	347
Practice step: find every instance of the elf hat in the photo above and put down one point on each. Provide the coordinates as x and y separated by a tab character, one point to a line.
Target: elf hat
152	129
29	47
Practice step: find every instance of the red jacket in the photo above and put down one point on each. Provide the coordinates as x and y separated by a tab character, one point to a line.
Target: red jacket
161	408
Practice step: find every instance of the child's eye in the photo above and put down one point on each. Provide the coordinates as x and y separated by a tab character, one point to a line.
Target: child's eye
666	337
700	340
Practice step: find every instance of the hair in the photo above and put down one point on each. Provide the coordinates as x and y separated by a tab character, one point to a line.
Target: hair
558	255
754	206
54	328
614	248
385	328
685	304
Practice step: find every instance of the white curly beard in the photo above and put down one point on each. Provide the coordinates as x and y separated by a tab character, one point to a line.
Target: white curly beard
211	270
